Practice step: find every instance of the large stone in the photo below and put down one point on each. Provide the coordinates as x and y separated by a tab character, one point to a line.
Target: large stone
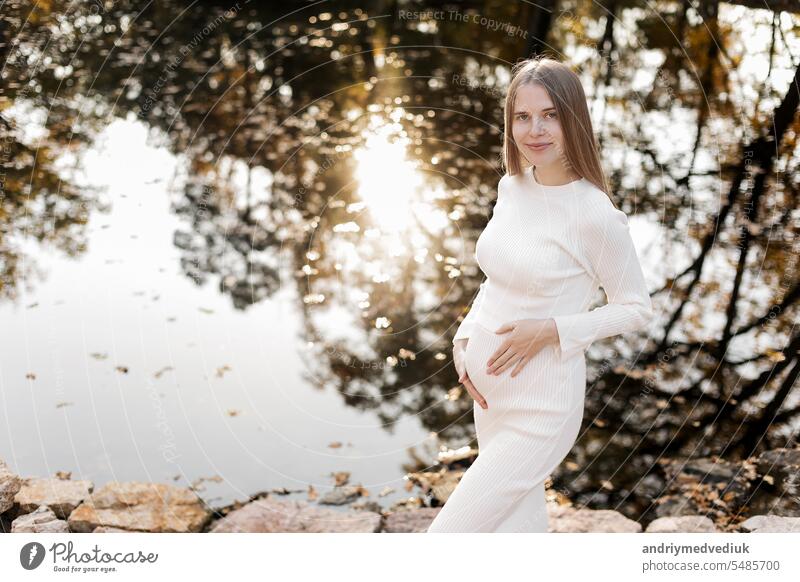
9	486
267	514
767	502
566	519
731	482
675	506
41	520
683	524
411	521
778	491
60	495
149	507
341	495
782	468
771	524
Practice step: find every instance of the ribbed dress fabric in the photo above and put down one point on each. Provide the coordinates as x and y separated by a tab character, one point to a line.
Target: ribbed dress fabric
545	253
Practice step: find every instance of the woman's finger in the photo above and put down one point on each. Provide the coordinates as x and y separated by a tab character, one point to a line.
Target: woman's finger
498	352
509	356
476	396
502	367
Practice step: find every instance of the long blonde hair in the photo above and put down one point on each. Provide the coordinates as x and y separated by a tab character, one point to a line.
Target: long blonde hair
565	90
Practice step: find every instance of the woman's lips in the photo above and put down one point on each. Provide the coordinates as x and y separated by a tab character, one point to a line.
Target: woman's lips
538	148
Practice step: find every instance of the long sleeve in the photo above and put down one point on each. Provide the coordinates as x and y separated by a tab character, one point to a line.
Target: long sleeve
605	239
465	329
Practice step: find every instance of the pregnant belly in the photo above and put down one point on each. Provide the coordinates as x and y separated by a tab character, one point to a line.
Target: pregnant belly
547	383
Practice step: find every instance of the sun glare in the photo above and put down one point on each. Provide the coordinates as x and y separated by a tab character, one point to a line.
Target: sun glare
388	183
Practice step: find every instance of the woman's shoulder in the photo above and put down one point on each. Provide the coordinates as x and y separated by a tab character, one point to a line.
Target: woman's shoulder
598	211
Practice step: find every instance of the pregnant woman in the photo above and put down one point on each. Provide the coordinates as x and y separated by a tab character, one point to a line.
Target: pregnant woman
553	239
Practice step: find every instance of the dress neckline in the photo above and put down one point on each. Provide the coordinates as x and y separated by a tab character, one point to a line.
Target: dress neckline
560	189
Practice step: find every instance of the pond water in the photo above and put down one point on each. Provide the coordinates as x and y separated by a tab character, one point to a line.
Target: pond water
237	239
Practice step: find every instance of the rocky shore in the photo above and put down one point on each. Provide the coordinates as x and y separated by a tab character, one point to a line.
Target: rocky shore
761	494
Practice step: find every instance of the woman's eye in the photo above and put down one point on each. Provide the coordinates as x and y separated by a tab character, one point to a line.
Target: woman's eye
522	115
552	114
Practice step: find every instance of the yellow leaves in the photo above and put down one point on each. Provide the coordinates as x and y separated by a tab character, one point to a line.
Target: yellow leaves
775	355
629	372
341	478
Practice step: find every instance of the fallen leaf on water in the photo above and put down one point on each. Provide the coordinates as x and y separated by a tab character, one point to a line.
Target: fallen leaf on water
335	445
99	356
312	493
205	310
232	412
221	371
123	369
62	404
341	478
30	376
162	370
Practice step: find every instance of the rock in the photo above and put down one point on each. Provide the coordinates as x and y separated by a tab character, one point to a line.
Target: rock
411	521
59	495
341	495
150	507
683	524
731	481
293	515
566	519
767	502
372	506
706	486
104	529
778	491
9	486
675	506
41	520
771	524
783	466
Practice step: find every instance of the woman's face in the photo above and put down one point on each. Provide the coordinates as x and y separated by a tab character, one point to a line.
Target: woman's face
536	127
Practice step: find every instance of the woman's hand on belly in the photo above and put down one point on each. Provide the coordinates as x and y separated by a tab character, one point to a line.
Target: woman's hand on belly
525	338
459	359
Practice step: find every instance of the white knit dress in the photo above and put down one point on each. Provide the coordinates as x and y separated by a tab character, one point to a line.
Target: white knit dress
545	252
